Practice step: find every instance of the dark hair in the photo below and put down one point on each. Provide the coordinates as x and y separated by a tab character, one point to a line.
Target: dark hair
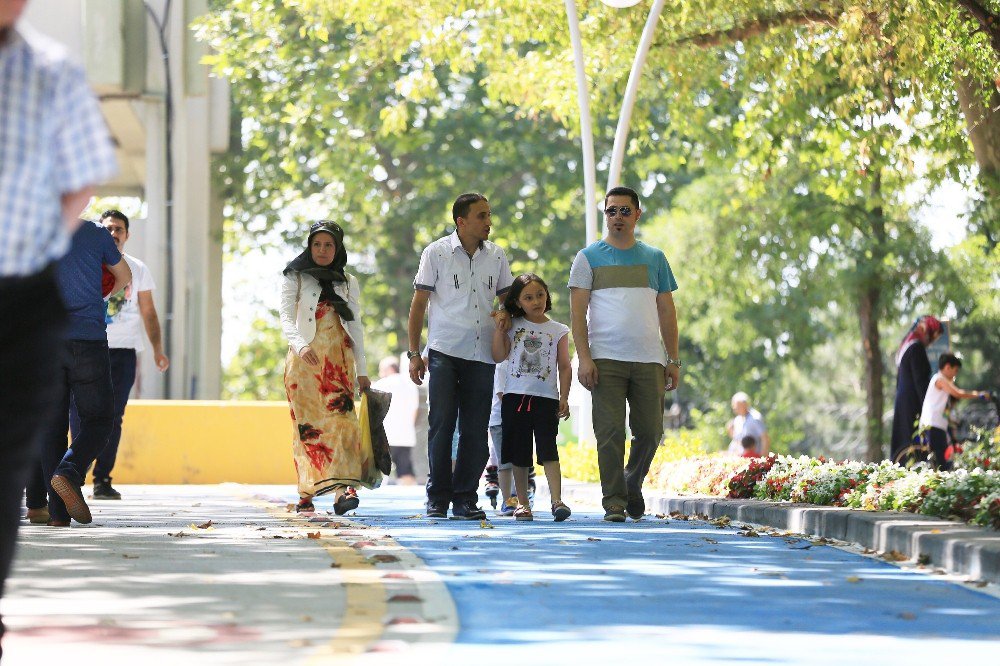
117	214
748	442
621	191
520	282
948	358
463	203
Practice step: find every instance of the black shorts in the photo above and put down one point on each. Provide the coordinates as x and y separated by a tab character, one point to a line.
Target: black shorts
527	417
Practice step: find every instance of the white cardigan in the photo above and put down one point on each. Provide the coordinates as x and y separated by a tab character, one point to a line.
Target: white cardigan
298	313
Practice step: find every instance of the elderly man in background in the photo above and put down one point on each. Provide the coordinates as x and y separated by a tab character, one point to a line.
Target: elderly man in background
747	422
54	147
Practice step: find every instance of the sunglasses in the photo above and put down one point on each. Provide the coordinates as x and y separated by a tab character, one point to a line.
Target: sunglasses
624	211
327	226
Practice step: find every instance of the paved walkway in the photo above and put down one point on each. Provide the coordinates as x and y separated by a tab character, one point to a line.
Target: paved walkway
152	582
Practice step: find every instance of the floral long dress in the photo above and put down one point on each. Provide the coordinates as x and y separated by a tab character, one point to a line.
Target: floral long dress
326	436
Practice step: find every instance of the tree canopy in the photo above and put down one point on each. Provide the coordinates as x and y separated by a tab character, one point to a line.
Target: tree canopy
781	148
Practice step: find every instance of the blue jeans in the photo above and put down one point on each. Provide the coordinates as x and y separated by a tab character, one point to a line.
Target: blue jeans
458	388
85	374
31	327
122	378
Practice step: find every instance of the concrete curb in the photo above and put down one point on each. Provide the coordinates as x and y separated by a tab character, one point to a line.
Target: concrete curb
957	548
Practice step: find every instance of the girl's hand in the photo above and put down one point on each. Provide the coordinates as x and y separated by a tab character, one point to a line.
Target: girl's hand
563	408
502	320
309	356
363	383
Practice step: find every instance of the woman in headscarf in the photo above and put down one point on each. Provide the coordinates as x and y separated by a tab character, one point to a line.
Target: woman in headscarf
321	317
913	374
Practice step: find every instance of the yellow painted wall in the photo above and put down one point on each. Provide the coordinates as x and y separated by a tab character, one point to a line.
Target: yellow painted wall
205	441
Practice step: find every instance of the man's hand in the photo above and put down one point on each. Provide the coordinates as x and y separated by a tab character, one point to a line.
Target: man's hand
672	377
417	370
161	360
309	356
587	374
363	384
502	319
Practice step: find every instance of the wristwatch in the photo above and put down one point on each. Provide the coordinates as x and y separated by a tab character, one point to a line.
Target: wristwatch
674	361
412	354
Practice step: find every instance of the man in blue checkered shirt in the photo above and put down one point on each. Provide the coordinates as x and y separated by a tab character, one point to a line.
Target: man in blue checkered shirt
54	148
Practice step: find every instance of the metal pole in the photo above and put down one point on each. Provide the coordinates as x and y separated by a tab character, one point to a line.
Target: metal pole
586	130
628	102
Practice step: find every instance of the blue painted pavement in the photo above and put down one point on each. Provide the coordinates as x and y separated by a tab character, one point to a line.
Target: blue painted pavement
585	591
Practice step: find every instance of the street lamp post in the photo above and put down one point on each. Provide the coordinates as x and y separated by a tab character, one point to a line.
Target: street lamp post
628	103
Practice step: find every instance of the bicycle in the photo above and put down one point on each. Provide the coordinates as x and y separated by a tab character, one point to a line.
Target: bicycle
968	426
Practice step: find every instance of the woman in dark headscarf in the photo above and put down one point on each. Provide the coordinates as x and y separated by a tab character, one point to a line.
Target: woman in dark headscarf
912	377
321	317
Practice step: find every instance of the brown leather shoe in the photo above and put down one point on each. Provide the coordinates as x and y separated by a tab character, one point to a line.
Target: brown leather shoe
38	516
58	523
72	496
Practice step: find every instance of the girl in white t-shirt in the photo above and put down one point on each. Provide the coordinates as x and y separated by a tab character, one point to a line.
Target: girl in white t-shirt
537	351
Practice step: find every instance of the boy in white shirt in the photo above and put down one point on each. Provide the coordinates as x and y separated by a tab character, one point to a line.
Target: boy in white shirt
933	416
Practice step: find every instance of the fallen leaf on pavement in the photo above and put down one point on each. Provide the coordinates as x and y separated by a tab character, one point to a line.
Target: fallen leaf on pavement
384	557
130	557
203	526
592	539
709	539
334	565
721	522
486	525
748	533
894	556
313	535
176	534
907	616
853	579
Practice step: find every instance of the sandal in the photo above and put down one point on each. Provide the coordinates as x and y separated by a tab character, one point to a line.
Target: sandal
523	512
305	505
346	502
560	511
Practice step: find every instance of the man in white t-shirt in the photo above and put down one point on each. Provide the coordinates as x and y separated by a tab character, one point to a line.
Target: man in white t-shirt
934	414
129	312
401	420
747	422
625	332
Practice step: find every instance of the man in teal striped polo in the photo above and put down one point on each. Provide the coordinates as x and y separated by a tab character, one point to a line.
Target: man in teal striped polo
625	332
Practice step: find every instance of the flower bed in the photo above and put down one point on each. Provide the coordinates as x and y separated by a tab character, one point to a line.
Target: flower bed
970	496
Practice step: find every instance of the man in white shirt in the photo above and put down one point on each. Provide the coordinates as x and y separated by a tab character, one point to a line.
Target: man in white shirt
401	420
934	414
459	277
131	316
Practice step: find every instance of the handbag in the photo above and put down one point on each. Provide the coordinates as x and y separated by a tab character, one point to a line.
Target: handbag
375	405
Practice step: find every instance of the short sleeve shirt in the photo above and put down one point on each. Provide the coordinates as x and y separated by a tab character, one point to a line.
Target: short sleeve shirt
622	320
499	388
79	278
125	326
750	425
531	365
400	421
463	289
53	141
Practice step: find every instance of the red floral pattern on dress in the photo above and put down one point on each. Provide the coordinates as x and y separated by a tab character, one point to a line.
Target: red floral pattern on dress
322	308
319	454
336	386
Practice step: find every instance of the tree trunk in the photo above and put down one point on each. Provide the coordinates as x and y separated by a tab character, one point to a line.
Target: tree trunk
983	121
869	309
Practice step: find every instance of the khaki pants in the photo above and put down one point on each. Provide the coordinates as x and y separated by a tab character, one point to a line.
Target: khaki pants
642	385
